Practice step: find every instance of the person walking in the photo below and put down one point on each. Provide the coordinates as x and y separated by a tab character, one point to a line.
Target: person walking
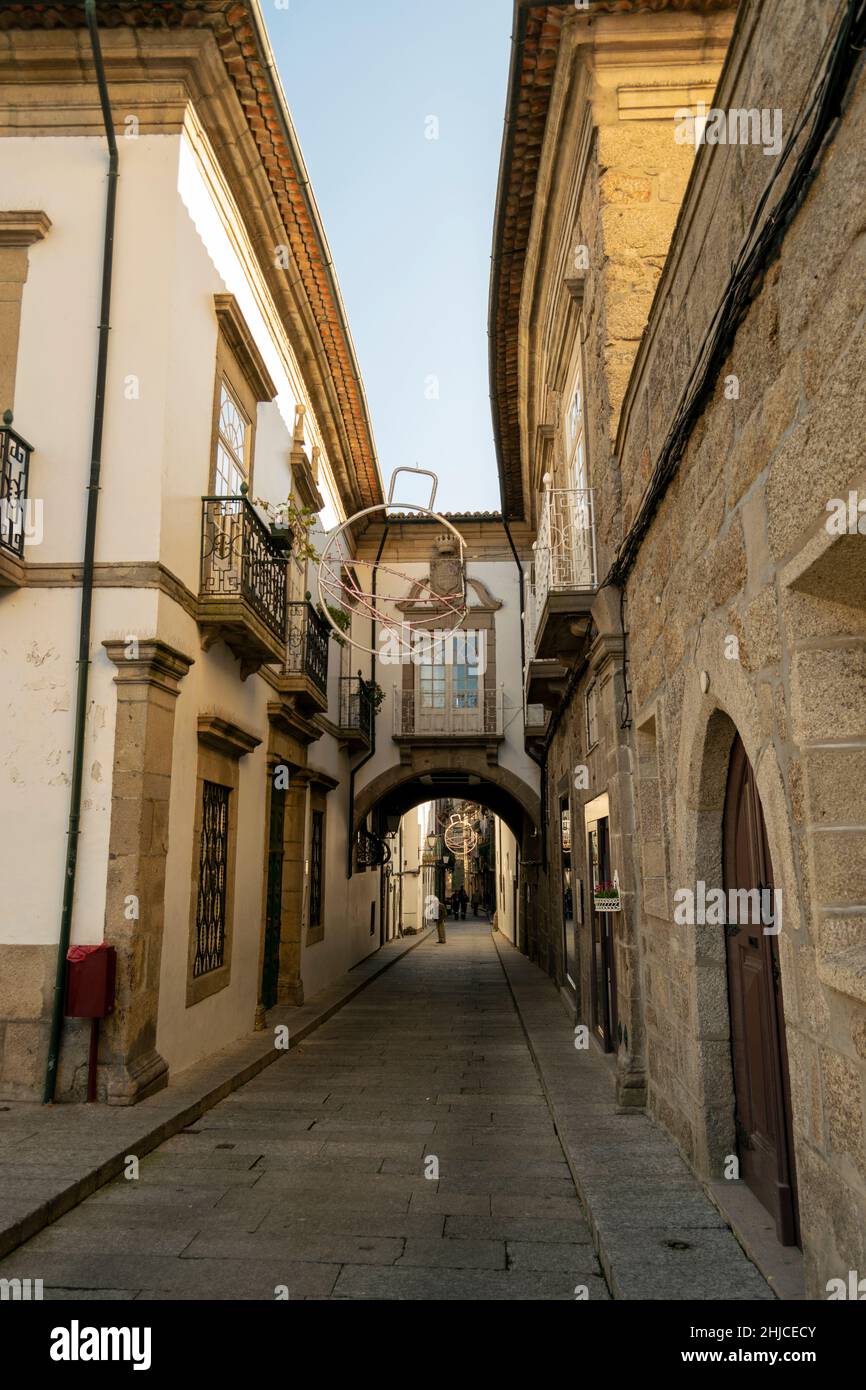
440	924
462	900
435	912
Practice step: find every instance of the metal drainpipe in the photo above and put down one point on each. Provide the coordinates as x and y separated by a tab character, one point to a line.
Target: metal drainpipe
541	761
367	756
87	568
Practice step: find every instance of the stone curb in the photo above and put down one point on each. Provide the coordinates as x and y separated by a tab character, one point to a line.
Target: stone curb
171	1110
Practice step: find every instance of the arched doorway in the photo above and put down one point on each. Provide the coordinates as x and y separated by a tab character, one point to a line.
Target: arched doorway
758	1047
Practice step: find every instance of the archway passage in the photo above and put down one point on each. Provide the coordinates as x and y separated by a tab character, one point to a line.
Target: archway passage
758	1047
468	778
501	792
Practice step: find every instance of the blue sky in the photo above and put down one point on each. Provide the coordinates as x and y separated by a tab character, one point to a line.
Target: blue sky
409	219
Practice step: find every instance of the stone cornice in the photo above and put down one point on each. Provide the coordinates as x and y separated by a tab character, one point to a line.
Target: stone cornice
225	737
239	338
487	602
138	574
147	661
321	781
284	717
22	229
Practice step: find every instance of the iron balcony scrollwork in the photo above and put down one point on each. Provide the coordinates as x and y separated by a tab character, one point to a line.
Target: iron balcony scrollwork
307	638
14	470
356	706
473	712
372	852
240	560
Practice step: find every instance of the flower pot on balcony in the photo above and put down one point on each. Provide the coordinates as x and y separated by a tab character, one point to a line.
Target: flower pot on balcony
605	897
283	538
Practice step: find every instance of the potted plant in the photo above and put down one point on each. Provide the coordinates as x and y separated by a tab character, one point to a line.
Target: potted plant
341	618
374	692
290	526
606	897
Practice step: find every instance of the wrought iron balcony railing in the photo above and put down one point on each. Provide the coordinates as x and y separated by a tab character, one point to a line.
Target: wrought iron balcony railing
307	638
477	712
565	545
240	560
14	469
356	707
530	621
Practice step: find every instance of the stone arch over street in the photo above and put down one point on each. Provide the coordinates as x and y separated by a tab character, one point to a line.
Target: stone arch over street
457	773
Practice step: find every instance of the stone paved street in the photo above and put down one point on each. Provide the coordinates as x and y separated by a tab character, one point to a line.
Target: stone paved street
312	1175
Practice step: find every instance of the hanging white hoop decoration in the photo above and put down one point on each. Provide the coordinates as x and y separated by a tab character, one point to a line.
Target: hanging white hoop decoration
335	589
460	837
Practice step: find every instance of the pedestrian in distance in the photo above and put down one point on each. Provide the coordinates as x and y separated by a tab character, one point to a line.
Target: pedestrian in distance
440	923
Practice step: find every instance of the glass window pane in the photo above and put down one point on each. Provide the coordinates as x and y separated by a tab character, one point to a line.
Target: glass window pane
230	468
232	424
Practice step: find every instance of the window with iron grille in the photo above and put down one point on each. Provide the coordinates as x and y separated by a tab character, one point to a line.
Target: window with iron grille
210	921
316	845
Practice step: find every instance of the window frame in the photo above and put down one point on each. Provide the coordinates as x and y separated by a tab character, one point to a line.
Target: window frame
316	892
447	686
222	769
222	804
576	445
591	716
229	375
223	444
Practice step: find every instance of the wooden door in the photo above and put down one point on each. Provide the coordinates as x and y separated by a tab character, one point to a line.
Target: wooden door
602	960
758	1049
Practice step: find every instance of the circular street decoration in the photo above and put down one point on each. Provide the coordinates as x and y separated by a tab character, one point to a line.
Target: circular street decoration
459	835
368	587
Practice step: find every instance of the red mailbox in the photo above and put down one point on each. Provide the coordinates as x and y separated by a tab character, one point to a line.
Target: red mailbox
90	974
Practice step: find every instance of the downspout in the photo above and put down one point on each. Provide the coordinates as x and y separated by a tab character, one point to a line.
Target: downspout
542	760
522	581
367	756
74	824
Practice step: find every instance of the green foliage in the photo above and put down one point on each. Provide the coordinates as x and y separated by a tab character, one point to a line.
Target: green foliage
343	621
293	521
374	692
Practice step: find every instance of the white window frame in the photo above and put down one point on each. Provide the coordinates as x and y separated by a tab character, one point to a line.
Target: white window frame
444	697
235	466
574	429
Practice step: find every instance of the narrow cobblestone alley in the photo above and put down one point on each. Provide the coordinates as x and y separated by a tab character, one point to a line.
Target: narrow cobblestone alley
312	1176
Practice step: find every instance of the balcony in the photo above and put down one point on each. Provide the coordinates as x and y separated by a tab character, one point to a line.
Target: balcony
473	718
356	713
536	722
14	469
545	680
565	575
242	599
305	671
